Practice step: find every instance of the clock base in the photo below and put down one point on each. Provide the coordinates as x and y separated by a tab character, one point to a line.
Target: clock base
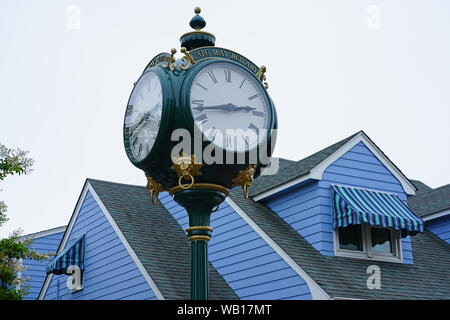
199	202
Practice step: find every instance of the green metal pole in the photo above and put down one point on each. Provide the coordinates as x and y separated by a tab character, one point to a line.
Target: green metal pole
199	204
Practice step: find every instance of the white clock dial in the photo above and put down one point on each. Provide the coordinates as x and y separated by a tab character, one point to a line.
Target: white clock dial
143	115
230	106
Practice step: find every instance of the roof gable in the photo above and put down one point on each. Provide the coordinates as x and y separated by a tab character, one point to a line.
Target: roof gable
109	258
314	166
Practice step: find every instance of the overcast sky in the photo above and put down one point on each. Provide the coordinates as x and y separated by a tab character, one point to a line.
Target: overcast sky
333	68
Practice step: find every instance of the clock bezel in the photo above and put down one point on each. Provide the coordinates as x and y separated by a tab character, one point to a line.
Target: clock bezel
152	159
185	93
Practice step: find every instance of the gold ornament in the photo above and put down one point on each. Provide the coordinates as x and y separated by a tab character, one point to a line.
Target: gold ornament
261	76
244	179
186	168
187	57
154	187
170	64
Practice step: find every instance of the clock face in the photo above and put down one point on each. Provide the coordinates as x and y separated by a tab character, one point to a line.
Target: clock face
230	106
143	115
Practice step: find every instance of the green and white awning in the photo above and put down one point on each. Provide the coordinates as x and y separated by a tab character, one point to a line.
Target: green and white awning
357	206
72	255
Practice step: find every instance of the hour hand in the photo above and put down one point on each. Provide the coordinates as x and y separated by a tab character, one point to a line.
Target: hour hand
220	107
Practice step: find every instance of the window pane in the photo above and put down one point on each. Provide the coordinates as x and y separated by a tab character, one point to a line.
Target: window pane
350	237
381	240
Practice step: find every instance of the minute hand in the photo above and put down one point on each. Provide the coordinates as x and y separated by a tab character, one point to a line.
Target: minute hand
225	107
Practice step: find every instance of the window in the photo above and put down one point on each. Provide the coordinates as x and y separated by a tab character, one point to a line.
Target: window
367	242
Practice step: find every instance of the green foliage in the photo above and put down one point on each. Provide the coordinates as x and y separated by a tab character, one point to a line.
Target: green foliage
14	161
14	249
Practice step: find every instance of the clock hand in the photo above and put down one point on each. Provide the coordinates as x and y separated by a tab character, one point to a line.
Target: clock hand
246	108
225	107
144	117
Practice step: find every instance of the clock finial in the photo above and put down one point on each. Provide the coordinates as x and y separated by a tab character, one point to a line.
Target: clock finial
197	22
197	38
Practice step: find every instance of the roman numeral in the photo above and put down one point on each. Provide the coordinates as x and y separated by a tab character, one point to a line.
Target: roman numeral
227	75
213	77
198	102
202	118
254	128
242	83
258	113
253	96
201	86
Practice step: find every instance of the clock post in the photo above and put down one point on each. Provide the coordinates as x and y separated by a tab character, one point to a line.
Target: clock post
199	203
208	90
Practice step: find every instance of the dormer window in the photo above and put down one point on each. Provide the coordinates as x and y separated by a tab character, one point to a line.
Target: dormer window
369	224
367	242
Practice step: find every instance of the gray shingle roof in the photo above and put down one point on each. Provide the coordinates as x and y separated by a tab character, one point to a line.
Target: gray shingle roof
294	169
157	239
431	201
427	278
420	186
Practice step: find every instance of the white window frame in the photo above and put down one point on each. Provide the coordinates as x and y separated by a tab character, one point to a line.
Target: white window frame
367	253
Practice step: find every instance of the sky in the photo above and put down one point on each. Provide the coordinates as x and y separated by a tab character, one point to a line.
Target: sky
333	68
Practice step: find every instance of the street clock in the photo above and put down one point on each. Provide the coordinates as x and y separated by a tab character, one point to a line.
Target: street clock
198	126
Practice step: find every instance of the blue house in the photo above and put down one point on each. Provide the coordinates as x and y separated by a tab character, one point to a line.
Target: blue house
343	223
44	242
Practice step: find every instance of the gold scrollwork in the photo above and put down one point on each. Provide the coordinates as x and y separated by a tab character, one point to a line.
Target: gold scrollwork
261	76
154	187
186	58
186	168
170	64
244	179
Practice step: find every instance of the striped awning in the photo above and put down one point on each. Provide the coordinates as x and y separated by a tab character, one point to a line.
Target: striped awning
355	206
72	255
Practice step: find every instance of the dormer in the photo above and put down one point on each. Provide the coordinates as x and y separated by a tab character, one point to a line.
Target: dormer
353	175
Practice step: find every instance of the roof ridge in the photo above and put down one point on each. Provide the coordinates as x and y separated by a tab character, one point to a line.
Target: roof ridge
428	192
55	229
300	167
330	146
116	183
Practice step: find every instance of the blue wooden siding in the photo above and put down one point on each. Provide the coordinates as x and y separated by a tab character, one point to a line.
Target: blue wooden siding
308	208
35	269
440	227
249	265
110	273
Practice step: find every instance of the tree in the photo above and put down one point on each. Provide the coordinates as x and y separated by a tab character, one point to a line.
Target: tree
13	249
